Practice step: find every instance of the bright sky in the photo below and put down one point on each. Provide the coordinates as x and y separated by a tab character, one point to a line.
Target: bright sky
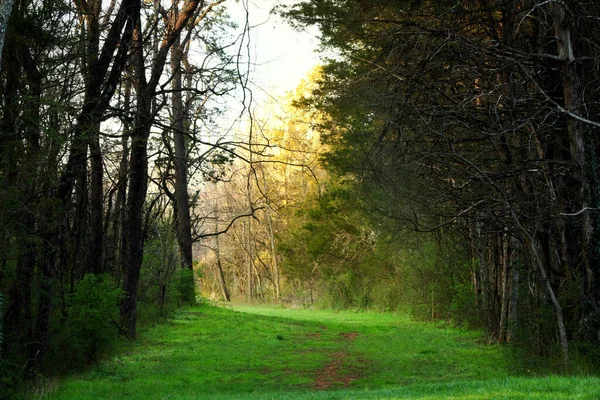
281	55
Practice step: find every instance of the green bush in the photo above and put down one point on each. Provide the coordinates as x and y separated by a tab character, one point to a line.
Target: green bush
183	286
90	326
164	285
464	307
9	379
158	299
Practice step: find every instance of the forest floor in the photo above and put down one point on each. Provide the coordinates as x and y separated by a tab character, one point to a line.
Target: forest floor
247	352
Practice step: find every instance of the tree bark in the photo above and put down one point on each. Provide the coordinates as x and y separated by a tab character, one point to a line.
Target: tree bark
222	281
506	286
271	234
249	245
184	225
96	256
114	259
513	323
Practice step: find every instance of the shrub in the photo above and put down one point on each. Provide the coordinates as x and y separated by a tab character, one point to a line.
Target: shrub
464	307
160	279
183	286
9	379
90	326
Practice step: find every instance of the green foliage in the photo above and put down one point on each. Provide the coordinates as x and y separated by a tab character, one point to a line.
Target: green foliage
9	379
425	133
164	284
354	260
464	307
332	243
437	284
90	325
183	287
159	265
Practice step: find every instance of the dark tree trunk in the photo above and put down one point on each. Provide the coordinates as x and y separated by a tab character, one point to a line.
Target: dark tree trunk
133	226
222	281
184	226
18	309
133	235
95	263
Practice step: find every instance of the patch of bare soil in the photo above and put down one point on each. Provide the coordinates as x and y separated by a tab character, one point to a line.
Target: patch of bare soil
333	374
349	336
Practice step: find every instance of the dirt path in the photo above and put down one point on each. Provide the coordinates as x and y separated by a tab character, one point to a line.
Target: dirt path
335	373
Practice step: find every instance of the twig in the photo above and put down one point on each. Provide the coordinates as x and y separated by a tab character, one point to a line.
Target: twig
584	209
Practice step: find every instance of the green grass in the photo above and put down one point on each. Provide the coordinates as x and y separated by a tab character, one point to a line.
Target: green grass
207	352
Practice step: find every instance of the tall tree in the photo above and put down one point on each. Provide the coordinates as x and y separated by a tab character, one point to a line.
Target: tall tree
174	21
483	102
181	127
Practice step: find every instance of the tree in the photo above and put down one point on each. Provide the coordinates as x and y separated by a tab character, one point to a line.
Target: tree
174	23
82	88
481	103
46	225
275	171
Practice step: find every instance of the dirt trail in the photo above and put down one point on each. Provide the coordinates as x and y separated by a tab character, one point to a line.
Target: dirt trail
334	374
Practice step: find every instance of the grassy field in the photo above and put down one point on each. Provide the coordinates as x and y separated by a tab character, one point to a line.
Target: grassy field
247	352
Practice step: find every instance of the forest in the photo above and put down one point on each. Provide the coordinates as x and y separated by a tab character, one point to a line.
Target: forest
441	161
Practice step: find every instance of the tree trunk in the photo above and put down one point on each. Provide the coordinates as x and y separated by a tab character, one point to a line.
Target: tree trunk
572	95
506	276
249	259
271	233
274	260
96	255
249	244
18	308
539	266
114	258
514	301
44	311
133	226
222	281
184	225
133	237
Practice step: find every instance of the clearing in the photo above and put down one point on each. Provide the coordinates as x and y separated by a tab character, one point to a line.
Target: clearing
247	352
